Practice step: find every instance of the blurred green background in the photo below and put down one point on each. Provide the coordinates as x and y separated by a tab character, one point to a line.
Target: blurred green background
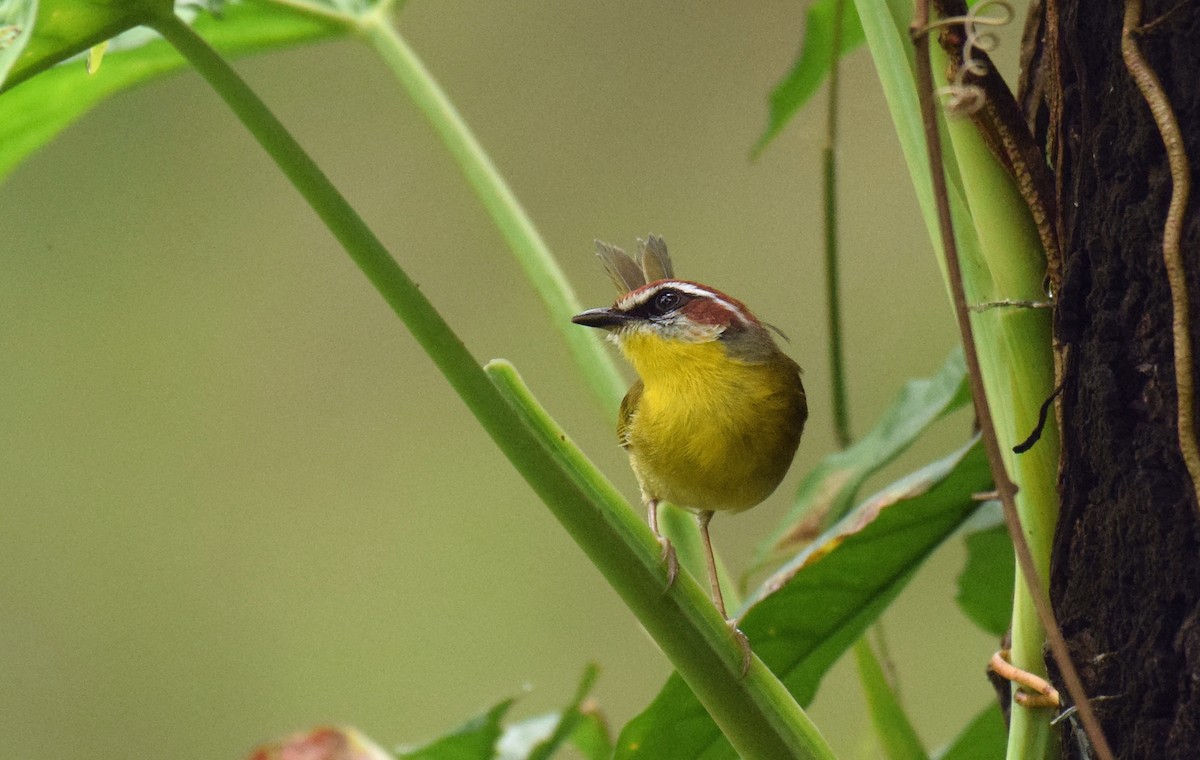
238	500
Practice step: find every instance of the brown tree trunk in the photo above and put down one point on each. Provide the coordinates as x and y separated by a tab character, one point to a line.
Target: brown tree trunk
1125	576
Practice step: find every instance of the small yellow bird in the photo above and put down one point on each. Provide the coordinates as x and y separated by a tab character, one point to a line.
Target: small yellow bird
716	416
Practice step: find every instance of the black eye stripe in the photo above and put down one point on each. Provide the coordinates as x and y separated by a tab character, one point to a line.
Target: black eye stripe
641	303
662	303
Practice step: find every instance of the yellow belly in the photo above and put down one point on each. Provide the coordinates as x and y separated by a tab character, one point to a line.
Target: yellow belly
711	433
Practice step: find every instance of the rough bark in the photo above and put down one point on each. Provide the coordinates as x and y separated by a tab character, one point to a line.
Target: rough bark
1125	578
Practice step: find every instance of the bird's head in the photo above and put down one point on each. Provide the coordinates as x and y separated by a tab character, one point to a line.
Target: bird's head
678	312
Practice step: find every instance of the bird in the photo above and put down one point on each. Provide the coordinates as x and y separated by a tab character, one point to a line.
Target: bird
714	419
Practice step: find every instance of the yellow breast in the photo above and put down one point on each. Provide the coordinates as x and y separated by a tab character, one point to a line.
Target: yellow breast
709	432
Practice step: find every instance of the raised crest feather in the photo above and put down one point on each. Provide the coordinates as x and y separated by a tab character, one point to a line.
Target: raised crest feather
653	263
624	272
656	263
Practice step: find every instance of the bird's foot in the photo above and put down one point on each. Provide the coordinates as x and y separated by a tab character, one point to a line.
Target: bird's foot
669	557
668	551
743	644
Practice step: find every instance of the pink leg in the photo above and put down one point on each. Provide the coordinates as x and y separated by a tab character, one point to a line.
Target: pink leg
702	519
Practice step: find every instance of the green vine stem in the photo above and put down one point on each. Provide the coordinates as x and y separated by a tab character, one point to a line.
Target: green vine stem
837	363
756	712
833	298
498	199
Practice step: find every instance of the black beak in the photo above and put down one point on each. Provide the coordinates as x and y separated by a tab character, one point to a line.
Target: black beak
606	319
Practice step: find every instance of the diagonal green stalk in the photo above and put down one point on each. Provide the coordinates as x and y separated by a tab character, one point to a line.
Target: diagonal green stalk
501	204
757	714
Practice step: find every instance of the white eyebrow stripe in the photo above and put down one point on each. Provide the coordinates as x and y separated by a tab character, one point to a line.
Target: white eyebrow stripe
698	291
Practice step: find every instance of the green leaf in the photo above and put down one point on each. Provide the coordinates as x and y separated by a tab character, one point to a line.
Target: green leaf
33	113
591	736
538	738
985	586
896	733
474	740
812	65
65	28
984	738
566	723
829	490
16	29
850	575
673	727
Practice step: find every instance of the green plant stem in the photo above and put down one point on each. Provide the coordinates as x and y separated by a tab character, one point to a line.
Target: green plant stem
1036	736
1030	523
833	299
757	714
1013	345
501	204
895	731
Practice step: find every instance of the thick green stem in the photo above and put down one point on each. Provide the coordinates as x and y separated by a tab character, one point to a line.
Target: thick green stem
757	714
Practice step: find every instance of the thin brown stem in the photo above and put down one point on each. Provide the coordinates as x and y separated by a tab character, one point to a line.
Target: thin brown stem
1168	127
1004	486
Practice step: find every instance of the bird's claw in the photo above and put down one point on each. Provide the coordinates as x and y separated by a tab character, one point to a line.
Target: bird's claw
743	644
671	560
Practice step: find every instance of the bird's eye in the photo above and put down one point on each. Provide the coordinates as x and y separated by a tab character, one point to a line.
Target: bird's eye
666	301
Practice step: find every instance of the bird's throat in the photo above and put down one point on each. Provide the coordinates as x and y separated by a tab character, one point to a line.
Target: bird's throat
666	362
